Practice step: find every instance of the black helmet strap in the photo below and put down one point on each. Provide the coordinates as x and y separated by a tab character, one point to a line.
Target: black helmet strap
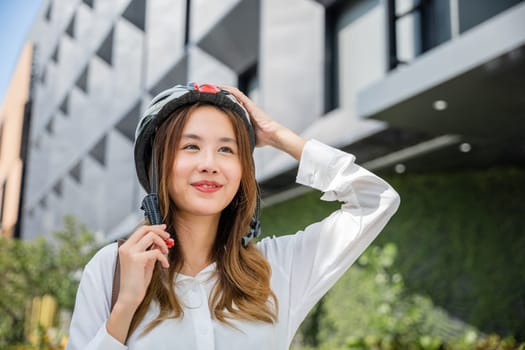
153	176
150	203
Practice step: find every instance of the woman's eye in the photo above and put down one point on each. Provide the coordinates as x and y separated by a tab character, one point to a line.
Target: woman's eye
191	147
226	149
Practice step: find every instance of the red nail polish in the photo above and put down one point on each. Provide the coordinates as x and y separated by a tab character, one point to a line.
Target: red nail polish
170	242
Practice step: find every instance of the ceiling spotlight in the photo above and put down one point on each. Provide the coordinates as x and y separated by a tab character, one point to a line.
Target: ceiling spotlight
400	168
465	147
440	105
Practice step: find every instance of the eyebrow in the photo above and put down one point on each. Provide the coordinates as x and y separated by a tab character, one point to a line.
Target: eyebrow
197	137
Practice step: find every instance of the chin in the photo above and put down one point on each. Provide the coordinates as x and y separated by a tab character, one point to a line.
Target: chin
206	210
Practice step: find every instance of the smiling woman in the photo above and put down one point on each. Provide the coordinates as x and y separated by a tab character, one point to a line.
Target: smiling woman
206	173
216	288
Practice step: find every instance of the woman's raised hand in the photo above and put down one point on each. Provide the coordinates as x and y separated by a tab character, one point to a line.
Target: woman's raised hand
138	256
268	132
265	127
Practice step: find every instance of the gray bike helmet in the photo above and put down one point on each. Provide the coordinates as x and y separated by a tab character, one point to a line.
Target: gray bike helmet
159	110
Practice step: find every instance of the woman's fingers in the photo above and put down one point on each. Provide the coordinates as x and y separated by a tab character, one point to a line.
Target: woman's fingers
146	229
156	254
266	128
150	239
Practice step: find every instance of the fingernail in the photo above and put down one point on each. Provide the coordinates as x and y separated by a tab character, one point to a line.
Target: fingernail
170	242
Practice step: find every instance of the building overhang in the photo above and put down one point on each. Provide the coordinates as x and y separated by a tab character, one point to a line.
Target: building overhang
470	89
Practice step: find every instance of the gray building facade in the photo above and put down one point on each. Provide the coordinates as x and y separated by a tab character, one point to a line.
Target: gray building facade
405	85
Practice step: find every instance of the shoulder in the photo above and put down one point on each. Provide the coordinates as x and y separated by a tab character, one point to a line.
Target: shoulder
104	255
272	245
278	251
101	267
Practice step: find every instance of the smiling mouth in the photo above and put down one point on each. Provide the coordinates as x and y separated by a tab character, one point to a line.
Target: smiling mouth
204	186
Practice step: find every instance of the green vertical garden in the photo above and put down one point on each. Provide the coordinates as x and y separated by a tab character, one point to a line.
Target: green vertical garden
450	263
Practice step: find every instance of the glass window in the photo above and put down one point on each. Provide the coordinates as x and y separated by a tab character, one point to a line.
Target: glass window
248	82
473	12
416	26
345	32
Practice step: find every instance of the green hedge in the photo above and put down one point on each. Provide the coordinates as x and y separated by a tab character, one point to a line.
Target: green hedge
460	242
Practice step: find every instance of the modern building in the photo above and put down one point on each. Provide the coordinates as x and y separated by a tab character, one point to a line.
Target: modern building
14	123
405	85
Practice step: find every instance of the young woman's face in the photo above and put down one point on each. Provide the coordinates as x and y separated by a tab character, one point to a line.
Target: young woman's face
207	170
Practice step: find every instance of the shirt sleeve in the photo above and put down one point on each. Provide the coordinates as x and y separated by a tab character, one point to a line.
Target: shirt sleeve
92	306
312	260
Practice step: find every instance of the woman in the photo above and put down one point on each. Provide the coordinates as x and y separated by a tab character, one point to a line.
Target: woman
215	288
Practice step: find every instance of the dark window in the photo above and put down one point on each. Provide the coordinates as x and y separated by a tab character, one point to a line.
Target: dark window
57	188
473	12
43	75
105	51
43	202
64	106
49	11
98	152
248	81
54	57
188	23
126	125
338	15
70	30
136	13
76	171
50	126
81	82
415	27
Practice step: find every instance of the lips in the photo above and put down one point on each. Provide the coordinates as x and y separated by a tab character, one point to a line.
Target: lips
207	186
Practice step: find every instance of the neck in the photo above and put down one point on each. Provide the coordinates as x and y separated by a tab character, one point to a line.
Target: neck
196	235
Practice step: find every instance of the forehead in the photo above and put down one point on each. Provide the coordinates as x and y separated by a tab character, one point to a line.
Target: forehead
209	119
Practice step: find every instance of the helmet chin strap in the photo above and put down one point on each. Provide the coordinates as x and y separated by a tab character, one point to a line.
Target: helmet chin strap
150	203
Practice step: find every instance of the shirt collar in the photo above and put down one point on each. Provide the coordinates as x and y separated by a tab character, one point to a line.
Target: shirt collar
203	276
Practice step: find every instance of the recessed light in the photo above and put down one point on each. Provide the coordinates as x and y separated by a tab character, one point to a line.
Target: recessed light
400	168
465	147
440	105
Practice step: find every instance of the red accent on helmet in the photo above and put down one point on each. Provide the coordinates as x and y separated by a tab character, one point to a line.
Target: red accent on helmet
213	89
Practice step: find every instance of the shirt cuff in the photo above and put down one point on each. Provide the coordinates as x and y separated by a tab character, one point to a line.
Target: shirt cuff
320	163
106	341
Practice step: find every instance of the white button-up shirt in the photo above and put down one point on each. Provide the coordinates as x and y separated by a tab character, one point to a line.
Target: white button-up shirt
304	266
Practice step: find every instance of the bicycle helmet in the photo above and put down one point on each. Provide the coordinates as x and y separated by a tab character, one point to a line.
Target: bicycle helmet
158	111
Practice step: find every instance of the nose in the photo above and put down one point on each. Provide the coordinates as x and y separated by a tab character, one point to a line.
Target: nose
208	162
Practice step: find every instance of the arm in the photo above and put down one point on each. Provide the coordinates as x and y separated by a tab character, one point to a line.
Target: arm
308	263
93	326
311	261
88	323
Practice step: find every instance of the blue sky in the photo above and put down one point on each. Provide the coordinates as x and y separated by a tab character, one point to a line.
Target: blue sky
16	17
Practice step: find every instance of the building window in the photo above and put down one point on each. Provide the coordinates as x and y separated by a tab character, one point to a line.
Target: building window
187	25
248	82
49	11
474	12
416	26
340	19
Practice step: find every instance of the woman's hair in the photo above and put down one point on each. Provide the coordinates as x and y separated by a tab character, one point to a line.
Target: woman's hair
242	291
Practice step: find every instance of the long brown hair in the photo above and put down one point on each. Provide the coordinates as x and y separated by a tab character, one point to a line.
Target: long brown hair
242	291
